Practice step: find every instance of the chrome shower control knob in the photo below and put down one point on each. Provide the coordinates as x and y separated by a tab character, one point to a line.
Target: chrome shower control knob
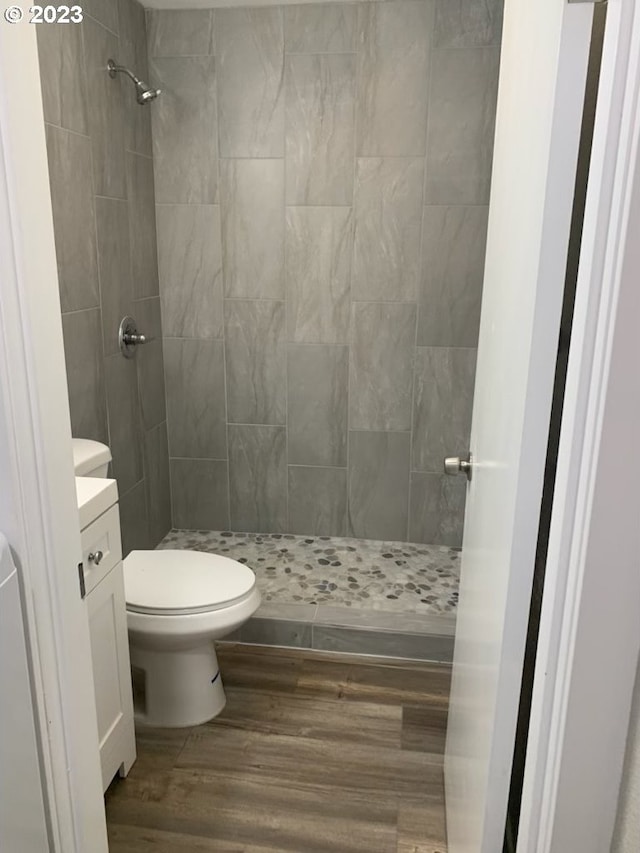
133	339
129	337
458	465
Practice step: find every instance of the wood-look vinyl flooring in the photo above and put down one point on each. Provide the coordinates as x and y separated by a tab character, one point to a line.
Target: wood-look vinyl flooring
313	753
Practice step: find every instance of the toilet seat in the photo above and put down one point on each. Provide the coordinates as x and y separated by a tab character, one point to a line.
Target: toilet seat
171	582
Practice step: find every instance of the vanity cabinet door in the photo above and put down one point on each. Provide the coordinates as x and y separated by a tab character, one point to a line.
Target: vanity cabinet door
112	674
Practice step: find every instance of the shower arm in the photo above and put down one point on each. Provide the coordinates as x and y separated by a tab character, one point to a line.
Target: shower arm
114	69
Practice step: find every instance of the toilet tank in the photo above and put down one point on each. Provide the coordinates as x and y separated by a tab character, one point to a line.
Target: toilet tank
90	458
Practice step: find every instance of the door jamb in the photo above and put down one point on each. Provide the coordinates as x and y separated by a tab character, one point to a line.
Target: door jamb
38	509
569	620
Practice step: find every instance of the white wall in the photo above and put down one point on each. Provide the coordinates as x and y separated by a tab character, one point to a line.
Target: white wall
626	838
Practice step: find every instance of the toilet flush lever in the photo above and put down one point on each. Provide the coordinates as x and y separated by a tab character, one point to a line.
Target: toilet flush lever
129	337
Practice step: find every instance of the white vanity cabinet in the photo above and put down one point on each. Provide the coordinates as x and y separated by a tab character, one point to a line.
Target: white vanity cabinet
106	611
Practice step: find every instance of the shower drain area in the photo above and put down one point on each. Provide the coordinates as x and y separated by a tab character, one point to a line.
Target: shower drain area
337	594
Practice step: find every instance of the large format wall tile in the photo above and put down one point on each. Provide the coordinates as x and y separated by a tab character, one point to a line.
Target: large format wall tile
82	332
104	11
300	136
249	47
199	494
256	361
142	227
379	484
318	501
134	520
157	481
462	110
251	202
393	71
320	93
320	28
194	373
112	226
437	509
133	54
453	247
190	267
468	23
150	363
443	401
318	273
187	32
258	478
383	338
105	111
64	94
125	433
73	218
317	383
388	209
106	251
185	130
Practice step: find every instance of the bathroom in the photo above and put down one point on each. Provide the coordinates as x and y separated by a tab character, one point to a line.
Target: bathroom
312	301
298	225
272	232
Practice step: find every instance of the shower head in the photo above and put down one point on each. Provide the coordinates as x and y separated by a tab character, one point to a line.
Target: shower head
144	92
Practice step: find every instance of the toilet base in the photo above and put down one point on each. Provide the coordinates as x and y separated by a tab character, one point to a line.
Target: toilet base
176	689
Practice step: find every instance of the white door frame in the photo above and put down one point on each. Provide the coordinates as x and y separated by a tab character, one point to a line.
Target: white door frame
38	511
590	620
37	500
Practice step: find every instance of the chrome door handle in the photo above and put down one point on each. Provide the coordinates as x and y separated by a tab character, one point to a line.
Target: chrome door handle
95	558
459	465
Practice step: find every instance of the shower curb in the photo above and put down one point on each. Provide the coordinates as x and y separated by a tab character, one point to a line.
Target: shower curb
333	629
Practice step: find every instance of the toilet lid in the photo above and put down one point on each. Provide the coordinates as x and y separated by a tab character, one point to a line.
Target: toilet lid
172	581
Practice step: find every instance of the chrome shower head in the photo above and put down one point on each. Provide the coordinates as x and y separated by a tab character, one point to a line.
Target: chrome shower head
144	92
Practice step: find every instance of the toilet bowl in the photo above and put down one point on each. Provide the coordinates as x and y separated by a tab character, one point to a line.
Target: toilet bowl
178	603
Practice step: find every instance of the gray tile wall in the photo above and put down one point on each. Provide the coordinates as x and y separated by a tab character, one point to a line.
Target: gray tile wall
101	172
322	177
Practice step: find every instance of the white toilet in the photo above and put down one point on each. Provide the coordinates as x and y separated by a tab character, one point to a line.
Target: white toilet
178	603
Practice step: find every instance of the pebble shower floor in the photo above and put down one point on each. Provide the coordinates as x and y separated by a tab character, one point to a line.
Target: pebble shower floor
358	573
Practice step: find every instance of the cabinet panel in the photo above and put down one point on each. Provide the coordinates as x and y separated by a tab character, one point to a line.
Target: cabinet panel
111	674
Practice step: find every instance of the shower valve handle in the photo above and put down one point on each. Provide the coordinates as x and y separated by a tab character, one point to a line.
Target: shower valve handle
129	337
133	339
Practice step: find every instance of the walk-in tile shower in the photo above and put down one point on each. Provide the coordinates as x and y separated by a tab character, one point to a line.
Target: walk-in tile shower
299	220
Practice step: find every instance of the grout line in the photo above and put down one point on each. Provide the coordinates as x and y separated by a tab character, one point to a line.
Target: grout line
321	467
196	459
282	157
287	307
357	75
320	52
186	203
162	56
222	272
103	26
414	360
138	154
270	426
384	302
64	129
253	299
81	311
